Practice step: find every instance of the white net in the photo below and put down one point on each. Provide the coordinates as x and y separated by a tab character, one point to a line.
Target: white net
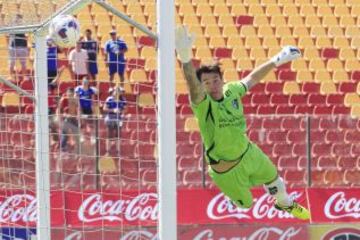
103	171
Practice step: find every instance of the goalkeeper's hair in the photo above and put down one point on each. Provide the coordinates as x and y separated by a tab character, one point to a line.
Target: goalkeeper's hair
212	68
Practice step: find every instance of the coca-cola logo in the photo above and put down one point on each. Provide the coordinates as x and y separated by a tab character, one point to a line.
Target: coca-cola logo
18	207
338	206
74	236
143	207
265	233
342	233
220	207
140	234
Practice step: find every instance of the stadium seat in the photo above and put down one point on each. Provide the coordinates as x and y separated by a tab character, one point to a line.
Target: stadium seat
138	75
237	9
351	99
327	88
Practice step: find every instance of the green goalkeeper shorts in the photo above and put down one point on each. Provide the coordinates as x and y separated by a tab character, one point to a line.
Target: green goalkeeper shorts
254	169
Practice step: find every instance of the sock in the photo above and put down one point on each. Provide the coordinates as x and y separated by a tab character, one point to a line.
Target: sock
277	189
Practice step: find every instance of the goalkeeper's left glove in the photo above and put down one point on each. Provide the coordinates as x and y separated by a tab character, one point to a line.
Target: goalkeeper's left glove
287	54
183	43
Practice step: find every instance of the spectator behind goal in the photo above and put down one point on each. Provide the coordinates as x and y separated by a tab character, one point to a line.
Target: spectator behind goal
78	60
92	48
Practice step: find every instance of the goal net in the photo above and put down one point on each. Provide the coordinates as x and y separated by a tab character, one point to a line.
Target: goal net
102	131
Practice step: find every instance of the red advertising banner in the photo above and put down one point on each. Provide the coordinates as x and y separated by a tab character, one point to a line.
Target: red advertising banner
195	206
334	205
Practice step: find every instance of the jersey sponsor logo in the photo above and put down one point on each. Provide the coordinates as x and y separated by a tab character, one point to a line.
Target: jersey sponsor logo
235	103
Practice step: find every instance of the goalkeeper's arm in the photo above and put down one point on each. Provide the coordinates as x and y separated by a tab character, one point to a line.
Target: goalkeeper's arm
287	54
183	44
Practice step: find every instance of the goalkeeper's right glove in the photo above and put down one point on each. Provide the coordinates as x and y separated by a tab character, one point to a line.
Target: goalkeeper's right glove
183	43
287	54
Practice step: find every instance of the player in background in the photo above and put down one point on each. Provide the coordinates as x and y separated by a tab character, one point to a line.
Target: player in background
92	48
235	163
115	50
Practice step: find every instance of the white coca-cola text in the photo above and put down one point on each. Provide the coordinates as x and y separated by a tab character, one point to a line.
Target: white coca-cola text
338	206
143	207
18	207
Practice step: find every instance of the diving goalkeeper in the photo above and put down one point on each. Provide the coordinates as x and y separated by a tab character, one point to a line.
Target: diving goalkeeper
236	164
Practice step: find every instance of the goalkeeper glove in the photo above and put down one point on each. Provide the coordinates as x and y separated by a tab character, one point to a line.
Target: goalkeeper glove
183	44
287	54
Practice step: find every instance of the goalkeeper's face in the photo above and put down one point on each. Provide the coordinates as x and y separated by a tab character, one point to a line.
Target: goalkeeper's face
213	85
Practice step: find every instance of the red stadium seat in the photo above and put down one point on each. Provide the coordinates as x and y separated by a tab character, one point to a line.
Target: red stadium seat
310	87
279	98
326	162
222	52
317	136
260	98
299	149
321	149
335	178
192	178
334	136
244	20
335	99
327	110
285	109
355	149
318	178
286	75
347	87
274	87
295	178
341	110
297	99
276	136
352	177
282	149
348	162
328	53
296	136
293	122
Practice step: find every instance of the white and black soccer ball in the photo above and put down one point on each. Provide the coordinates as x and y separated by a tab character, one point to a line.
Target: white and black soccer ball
65	31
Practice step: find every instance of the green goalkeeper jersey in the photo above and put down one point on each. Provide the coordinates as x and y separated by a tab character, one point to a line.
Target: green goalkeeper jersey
222	124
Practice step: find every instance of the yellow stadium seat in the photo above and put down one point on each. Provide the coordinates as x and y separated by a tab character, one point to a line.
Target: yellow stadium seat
291	88
329	21
270	77
221	10
260	61
358	54
196	29
203	9
327	88
107	164
340	76
317	31
300	31
351	2
352	65
290	10
212	30
247	31
355	111
179	76
261	20
270	42
289	40
336	2
256	53
146	100
227	63
239	53
272	10
352	31
347	53
282	31
133	9
10	99
217	42
226	20
315	64
324	10
150	64
355	11
299	2
229	31
252	41
203	52
304	76
323	42
186	9
231	75
322	76
295	21
264	2
358	88
273	51
190	20
351	99
132	52
244	64
305	42
299	64
255	9
312	20
319	2
181	88
148	52
200	41
265	31
138	75
341	10
334	64
208	20
347	21
197	2
237	9
278	20
191	125
235	41
341	42
307	10
150	8
335	31
217	2
355	42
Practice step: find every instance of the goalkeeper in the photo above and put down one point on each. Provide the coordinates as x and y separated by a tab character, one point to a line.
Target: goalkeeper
236	164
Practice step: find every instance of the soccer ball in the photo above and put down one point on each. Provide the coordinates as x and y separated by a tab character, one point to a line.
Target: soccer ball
65	31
